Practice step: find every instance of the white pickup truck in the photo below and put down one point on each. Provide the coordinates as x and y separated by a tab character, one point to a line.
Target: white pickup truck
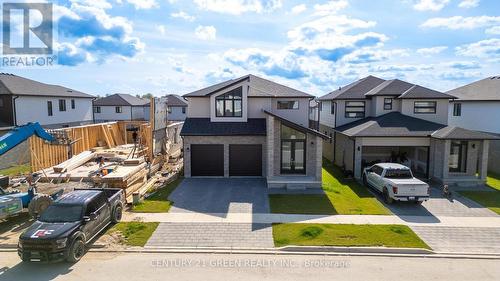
396	182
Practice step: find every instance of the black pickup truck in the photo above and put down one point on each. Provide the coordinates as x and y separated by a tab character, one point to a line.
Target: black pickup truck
64	229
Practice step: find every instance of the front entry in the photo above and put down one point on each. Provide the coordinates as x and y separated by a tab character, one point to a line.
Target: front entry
293	151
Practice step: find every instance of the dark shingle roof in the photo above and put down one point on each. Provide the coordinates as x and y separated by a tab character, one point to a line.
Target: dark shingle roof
203	127
452	132
121	100
16	85
392	124
419	92
483	90
355	90
175	100
259	87
296	126
392	87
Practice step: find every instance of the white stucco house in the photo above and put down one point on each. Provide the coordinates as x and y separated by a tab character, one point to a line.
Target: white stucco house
477	107
374	120
119	107
176	108
252	127
24	100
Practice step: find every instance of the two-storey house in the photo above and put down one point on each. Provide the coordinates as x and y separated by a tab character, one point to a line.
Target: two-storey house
251	126
120	107
375	120
477	107
176	108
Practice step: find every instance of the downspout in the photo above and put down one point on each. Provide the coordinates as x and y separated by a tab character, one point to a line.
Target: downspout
14	109
93	113
354	157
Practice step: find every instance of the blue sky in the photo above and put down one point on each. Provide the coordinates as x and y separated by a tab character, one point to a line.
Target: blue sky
174	46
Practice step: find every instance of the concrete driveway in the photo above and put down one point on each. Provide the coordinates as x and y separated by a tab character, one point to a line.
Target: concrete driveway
217	197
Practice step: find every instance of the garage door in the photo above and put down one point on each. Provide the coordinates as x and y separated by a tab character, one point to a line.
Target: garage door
245	160
207	160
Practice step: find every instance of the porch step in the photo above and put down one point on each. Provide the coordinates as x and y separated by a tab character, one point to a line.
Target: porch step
295	186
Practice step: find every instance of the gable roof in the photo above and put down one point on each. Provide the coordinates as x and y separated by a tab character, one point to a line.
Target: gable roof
175	100
17	85
121	100
487	89
203	127
393	124
355	90
374	86
259	87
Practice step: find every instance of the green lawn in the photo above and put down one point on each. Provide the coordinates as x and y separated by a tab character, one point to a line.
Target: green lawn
16	170
135	233
303	234
158	202
345	197
489	199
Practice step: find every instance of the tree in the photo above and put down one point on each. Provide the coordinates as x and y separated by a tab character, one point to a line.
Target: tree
147	96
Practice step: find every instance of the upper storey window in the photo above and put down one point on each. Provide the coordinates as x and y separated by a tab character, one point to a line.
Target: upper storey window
229	104
292	104
425	107
354	109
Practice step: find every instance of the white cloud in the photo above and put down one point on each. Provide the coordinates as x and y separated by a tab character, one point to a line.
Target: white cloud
331	7
459	22
143	4
298	9
183	15
432	50
468	4
493	30
483	49
205	32
161	29
430	5
237	7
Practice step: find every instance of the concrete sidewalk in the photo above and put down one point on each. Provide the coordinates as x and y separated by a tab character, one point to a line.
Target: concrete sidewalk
258	218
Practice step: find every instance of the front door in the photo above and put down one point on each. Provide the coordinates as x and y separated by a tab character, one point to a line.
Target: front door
293	151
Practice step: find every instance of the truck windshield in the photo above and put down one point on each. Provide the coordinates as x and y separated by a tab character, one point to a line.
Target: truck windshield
398	174
61	213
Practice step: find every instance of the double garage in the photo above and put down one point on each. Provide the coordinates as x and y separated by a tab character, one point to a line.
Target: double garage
243	160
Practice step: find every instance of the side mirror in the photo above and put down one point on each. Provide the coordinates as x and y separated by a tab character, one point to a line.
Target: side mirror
86	219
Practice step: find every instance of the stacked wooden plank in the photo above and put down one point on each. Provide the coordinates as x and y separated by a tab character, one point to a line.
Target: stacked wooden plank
128	178
74	162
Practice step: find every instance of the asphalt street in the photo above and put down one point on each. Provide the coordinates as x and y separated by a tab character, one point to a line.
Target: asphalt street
168	266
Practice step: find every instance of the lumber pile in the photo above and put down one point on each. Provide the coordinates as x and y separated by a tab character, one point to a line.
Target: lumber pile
74	162
128	178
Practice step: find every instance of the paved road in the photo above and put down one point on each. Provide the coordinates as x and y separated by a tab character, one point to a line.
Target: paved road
101	266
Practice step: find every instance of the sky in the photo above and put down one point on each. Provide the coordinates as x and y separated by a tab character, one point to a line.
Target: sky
177	46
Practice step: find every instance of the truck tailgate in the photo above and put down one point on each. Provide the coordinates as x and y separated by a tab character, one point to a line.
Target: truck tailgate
411	188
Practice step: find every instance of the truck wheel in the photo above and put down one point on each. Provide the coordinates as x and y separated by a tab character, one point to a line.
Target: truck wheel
387	197
38	204
76	251
117	214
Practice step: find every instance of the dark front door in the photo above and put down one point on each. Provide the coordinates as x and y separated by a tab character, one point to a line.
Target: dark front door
293	154
207	160
245	160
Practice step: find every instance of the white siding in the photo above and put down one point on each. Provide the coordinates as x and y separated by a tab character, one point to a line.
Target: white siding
255	106
199	107
377	105
477	115
34	109
441	115
326	117
299	116
108	113
176	113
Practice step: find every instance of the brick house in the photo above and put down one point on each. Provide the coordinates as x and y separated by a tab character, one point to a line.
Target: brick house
252	127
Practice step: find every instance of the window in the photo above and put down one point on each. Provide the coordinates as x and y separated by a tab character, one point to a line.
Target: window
387	104
184	110
457	162
118	109
62	105
293	104
377	170
49	108
354	109
293	151
97	109
332	109
425	107
73	104
229	104
457	109
169	109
